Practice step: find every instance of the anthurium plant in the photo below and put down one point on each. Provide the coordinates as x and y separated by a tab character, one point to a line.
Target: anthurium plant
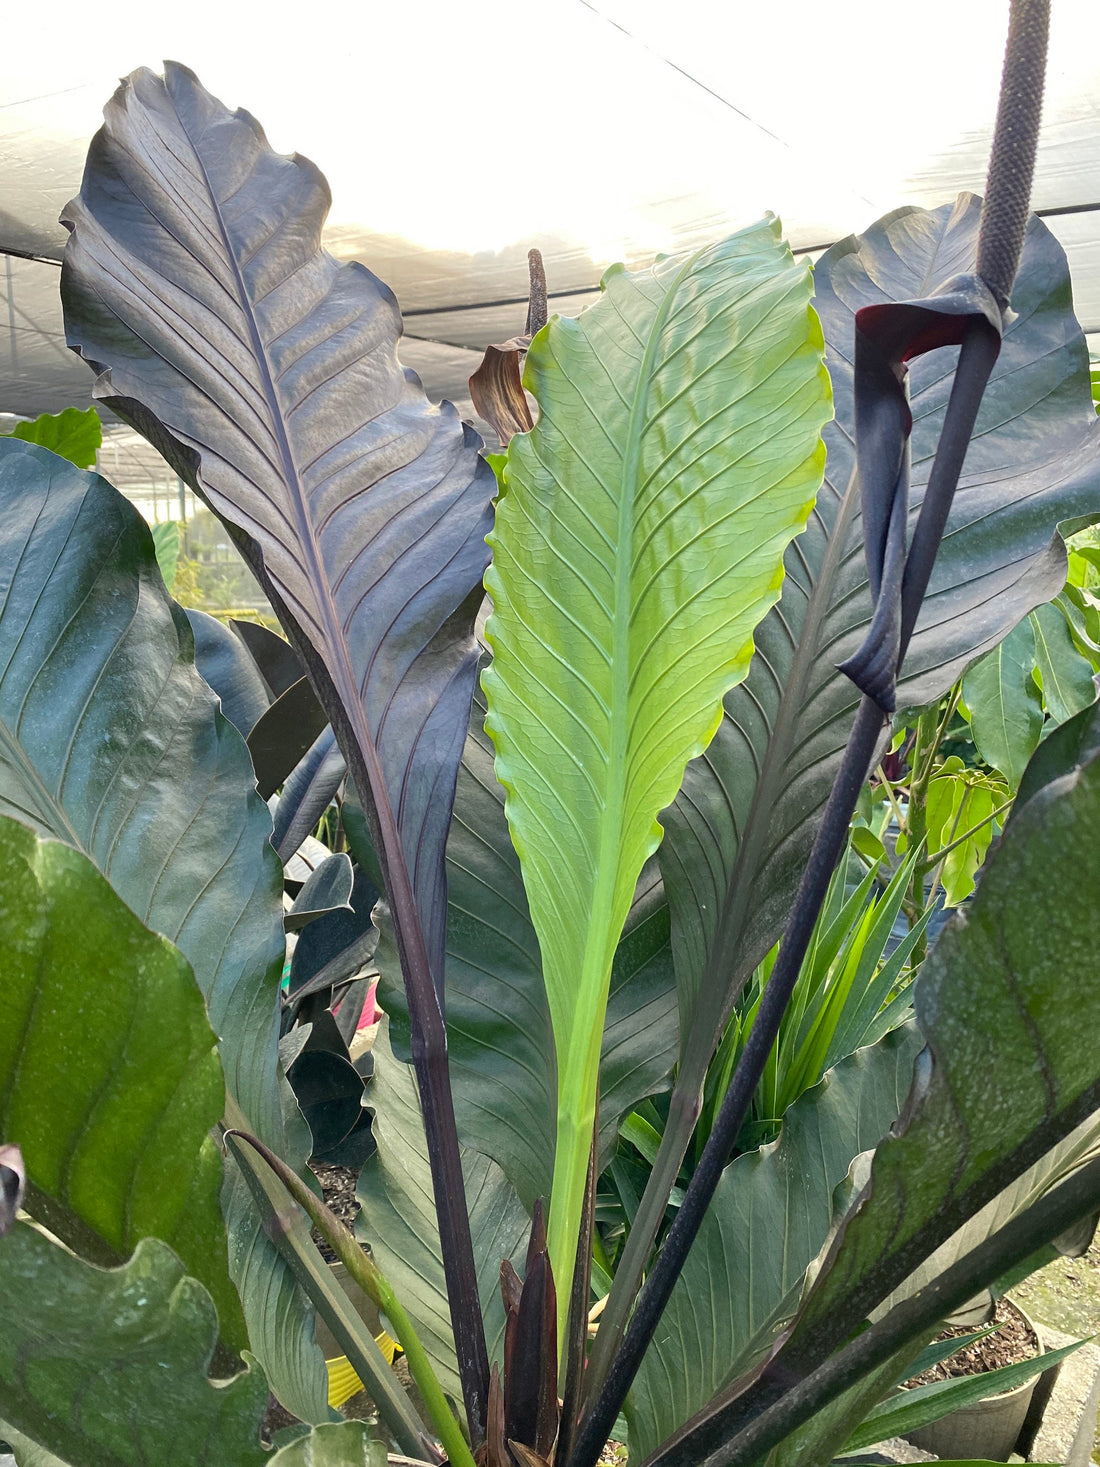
759	510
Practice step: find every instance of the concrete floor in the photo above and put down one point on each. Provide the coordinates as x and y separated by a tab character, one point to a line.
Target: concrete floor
1066	1295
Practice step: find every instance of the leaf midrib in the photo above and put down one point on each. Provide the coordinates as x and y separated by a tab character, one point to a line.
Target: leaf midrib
51	811
622	670
335	655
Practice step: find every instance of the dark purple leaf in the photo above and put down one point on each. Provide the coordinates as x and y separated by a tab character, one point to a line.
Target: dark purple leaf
307	793
284	734
267	374
225	664
276	659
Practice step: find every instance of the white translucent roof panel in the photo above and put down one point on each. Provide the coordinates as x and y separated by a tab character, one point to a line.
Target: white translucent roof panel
457	133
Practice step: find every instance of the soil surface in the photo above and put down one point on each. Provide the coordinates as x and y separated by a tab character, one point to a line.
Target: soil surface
1010	1343
338	1186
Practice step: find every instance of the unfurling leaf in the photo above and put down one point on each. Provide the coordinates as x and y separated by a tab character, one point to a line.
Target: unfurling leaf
496	388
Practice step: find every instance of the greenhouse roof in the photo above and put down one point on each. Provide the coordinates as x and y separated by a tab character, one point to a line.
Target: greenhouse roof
455	136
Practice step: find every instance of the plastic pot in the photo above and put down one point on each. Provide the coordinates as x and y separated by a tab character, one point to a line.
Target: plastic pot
987	1430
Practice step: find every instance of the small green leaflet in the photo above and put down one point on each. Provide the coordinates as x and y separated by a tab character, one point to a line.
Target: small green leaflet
1006	712
639	541
1065	675
74	434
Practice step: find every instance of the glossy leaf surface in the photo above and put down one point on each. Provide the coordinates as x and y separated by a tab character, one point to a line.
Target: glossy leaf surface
768	1220
226	665
1002	1001
111	742
268	374
86	1352
307	793
109	1075
638	542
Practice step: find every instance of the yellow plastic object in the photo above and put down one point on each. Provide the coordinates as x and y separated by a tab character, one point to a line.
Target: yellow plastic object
343	1383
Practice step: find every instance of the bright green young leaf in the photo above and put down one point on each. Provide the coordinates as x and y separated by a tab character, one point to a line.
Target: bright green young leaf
1066	675
638	543
166	542
74	434
109	1074
959	816
1006	714
500	1042
108	1366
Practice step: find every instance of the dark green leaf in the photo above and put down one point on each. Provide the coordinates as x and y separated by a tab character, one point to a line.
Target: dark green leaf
746	815
112	742
225	664
334	947
283	735
330	1092
307	793
769	1217
1002	1001
109	1366
276	659
327	890
268	375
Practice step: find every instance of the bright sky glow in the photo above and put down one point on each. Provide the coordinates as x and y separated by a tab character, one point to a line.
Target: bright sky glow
474	126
